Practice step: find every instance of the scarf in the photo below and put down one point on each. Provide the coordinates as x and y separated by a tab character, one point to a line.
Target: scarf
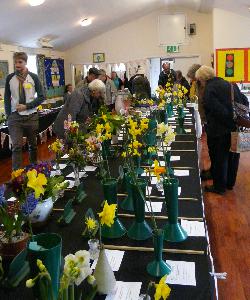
21	78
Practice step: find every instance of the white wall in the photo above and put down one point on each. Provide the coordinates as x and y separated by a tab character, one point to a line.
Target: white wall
230	30
139	40
7	53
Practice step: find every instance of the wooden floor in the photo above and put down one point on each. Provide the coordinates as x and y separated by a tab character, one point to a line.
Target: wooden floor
228	219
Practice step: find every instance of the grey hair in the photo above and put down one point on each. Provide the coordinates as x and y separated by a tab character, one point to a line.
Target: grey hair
192	70
97	85
205	73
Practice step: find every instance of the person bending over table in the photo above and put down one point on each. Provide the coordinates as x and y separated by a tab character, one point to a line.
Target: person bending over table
220	123
81	105
20	109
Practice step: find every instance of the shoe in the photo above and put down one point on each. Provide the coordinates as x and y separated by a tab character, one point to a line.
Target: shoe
206	175
212	189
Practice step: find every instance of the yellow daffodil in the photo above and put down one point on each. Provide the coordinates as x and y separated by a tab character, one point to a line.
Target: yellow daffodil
36	182
104	117
91	224
107	127
136	153
108	136
175	93
124	154
56	147
151	102
151	149
162	290
39	107
99	128
158	170
170	136
136	144
108	214
161	129
16	173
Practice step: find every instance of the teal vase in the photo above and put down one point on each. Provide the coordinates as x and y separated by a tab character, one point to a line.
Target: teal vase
106	149
110	194
173	231
127	203
169	110
180	127
139	230
150	136
47	247
168	163
158	267
137	165
180	111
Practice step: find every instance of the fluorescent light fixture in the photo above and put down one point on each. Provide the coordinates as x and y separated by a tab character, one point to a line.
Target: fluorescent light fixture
86	22
36	2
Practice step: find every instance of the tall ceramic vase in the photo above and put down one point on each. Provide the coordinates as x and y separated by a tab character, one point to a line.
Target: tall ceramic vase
110	194
47	247
173	231
168	163
158	267
139	230
127	203
105	278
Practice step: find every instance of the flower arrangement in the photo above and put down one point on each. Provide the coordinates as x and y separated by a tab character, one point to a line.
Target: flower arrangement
180	95
161	289
57	148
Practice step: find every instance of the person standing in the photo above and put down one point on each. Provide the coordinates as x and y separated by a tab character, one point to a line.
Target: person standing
166	75
111	91
23	93
117	81
180	79
93	74
68	91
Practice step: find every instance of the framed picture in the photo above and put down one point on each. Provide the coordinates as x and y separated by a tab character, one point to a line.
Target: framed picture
4	71
98	57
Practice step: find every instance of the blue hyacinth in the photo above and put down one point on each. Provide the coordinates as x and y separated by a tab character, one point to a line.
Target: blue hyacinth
29	205
2	197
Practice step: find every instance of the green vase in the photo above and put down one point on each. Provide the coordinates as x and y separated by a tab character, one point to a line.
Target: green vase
180	128
173	231
127	203
168	163
150	136
158	267
106	149
180	111
169	110
110	194
139	230
47	247
137	165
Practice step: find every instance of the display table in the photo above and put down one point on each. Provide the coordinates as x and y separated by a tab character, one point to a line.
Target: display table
133	266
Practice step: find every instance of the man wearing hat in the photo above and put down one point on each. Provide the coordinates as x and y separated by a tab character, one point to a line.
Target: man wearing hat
93	74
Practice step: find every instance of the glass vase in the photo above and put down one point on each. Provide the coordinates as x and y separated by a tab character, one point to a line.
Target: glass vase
139	230
158	267
173	231
94	248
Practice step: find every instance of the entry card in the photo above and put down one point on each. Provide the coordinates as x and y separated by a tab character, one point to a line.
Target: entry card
71	184
182	273
62	166
171	119
114	258
148	190
65	156
90	168
193	228
188	130
181	172
125	291
81	174
156	206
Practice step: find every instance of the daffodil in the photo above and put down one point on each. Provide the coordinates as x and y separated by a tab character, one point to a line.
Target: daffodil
108	136
99	128
169	136
36	182
151	149
107	127
124	154
136	153
161	129
158	170
136	144
16	173
107	215
104	117
175	93
162	290
91	224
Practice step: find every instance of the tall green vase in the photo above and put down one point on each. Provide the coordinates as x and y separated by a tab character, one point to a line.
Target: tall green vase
127	203
173	231
169	110
110	194
168	163
139	230
158	267
137	165
47	247
106	149
180	111
150	136
180	128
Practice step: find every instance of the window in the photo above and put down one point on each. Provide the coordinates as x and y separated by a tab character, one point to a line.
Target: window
31	64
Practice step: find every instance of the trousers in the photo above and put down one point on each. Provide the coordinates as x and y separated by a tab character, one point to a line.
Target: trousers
23	126
224	164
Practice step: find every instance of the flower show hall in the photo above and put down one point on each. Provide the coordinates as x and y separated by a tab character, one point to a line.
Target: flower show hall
197	283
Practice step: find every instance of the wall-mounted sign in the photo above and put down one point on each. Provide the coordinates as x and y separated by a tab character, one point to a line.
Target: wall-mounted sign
98	57
172	49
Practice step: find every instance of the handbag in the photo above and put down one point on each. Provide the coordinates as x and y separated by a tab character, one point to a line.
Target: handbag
240	141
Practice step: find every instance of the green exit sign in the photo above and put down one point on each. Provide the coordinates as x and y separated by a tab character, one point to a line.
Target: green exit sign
172	49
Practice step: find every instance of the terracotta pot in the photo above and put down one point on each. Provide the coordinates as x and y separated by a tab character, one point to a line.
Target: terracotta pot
10	250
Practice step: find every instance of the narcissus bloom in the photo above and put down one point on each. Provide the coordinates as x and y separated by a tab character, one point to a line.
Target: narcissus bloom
107	215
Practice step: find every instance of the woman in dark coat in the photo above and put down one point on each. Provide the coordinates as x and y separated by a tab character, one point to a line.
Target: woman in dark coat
220	124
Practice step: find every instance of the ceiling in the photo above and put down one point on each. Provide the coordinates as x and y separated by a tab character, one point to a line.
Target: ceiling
59	20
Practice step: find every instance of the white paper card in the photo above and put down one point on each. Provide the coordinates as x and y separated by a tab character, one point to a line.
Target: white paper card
72	175
171	119
182	273
125	291
65	156
148	190
12	199
154	180
53	173
114	257
71	184
181	172
120	138
156	206
175	158
188	130
193	228
90	168
62	166
189	115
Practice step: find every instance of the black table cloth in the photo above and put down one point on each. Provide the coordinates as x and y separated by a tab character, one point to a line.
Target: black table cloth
133	267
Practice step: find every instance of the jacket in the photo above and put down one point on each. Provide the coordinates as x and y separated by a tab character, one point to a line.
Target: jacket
141	87
218	107
79	106
111	92
167	77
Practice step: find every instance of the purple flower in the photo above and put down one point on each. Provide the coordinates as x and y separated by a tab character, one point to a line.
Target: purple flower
29	205
43	167
2	197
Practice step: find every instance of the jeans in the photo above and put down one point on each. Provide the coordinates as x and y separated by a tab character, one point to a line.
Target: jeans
23	126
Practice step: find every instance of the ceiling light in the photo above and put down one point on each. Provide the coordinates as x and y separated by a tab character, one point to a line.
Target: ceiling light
36	2
86	22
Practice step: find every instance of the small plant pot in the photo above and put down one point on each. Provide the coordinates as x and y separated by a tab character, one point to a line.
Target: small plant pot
10	250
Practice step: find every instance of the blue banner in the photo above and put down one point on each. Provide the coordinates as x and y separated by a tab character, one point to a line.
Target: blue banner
54	72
